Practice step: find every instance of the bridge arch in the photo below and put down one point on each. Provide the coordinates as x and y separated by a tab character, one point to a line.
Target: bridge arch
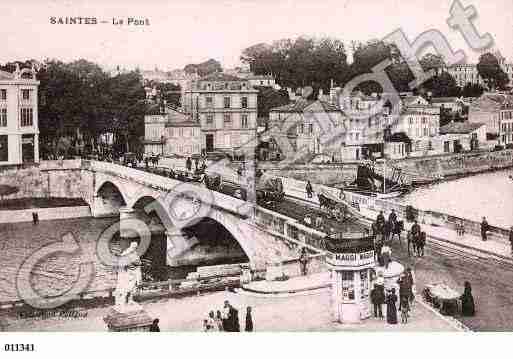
112	194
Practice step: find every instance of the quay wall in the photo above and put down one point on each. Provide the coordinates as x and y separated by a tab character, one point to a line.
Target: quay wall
457	164
65	179
25	215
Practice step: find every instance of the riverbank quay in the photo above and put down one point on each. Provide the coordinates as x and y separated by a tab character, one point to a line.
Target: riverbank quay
270	313
438	226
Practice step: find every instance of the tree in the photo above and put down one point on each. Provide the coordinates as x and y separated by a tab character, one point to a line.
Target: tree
442	85
431	61
205	68
269	98
171	93
491	72
472	90
301	62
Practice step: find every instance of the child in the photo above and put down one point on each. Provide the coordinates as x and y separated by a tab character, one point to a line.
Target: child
405	309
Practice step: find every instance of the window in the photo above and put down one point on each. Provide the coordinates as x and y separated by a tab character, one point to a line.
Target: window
209	101
25	95
423	120
411	120
181	132
210	119
446	146
227	119
227	102
301	129
244	102
4	153
3	94
310	128
426	132
227	140
27	116
171	132
3	117
357	135
244	121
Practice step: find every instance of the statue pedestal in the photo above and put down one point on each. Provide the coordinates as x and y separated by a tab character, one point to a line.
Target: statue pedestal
128	318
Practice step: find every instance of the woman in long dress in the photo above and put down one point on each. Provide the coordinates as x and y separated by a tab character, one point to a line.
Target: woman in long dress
391	307
467	301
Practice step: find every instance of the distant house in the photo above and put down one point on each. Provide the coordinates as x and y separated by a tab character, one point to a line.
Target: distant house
461	136
454	104
491	109
170	132
314	125
397	145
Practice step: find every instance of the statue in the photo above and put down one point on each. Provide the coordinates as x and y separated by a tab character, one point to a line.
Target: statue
129	277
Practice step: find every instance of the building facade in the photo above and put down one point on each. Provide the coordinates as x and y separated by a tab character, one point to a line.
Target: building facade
316	127
19	131
226	108
458	137
491	109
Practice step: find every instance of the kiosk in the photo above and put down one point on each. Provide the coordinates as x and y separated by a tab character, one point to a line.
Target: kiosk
351	261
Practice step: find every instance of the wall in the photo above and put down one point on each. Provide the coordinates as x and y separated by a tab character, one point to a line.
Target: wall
457	164
25	215
322	174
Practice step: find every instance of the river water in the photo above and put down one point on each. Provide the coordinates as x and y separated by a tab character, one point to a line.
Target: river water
488	194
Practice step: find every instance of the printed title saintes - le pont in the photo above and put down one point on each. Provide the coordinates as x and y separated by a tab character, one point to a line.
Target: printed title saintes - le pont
94	21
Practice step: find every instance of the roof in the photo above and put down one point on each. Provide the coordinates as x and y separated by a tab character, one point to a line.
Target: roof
492	101
186	123
219	76
398	137
260	77
460	127
444	99
302	105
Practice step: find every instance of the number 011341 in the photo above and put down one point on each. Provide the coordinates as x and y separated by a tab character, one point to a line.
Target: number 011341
19	347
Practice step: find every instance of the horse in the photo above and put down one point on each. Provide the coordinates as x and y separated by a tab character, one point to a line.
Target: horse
397	228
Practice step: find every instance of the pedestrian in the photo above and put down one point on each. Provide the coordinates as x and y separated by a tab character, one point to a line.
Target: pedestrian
219	321
411	281
233	317
35	218
206	328
309	189
146	162
249	320
484	229
421	243
387	229
467	301
380	220
404	288
303	261
377	295
308	220
212	321
226	317
196	163
391	300
154	327
378	245
188	164
405	309
318	222
392	217
511	239
386	255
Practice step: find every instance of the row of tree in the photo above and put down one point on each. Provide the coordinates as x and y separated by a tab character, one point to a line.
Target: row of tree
79	102
317	62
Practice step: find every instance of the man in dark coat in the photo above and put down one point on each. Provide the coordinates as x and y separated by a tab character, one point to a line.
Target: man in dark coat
188	164
392	218
234	319
155	326
380	220
405	288
225	318
391	300
309	189
249	320
484	229
377	295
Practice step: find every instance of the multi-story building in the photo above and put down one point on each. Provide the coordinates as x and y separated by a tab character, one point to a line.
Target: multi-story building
453	104
491	109
467	73
19	132
421	123
316	126
226	108
460	136
171	133
506	125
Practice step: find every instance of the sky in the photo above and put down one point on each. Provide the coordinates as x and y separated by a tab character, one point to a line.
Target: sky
192	31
